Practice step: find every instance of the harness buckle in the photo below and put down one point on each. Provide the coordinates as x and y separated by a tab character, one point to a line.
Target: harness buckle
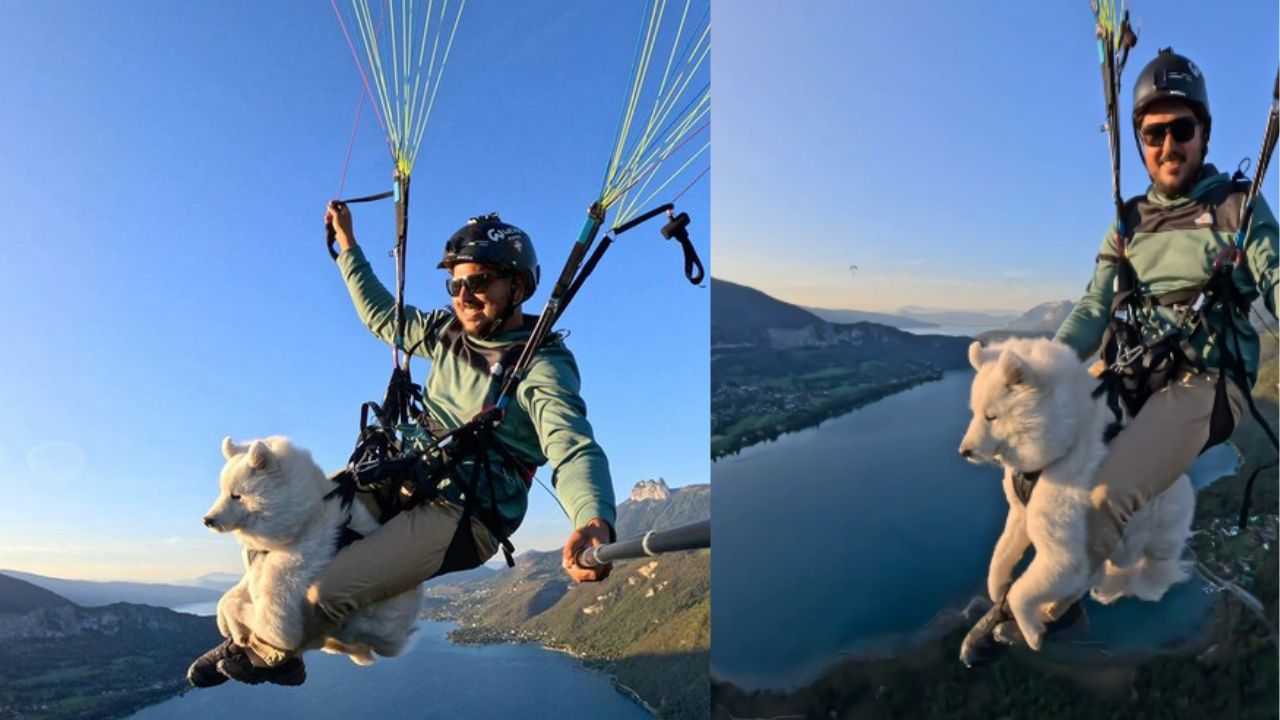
1227	259
1128	357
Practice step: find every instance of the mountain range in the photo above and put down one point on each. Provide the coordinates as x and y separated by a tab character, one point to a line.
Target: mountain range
59	659
94	593
746	318
1043	318
901	322
970	318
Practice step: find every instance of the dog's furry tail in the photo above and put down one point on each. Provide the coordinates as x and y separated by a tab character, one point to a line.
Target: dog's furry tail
1154	577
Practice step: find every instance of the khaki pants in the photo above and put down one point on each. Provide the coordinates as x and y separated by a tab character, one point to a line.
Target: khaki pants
1152	452
406	551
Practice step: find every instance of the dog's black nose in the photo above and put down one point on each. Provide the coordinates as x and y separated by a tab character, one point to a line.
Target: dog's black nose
965	452
210	522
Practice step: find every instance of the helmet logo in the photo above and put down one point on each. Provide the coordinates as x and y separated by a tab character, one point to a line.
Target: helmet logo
497	234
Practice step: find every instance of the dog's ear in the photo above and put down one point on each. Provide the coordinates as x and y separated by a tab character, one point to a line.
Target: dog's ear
1014	369
260	457
230	449
975	355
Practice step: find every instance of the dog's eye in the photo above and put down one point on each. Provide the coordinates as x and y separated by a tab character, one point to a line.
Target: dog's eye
989	418
235	496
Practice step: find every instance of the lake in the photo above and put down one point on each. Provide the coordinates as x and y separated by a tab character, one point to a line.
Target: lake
853	535
972	331
434	679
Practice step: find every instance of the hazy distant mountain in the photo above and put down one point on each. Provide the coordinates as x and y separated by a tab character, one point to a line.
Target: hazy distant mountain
1043	318
19	597
854	316
973	318
648	624
745	318
482	572
743	315
219	581
92	593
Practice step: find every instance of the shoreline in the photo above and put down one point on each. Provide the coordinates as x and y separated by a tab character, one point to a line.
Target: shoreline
586	662
787	426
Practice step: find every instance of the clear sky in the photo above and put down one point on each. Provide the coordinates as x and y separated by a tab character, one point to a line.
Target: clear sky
166	167
950	150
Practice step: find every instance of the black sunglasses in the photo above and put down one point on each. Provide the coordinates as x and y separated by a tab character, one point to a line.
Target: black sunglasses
475	282
1182	130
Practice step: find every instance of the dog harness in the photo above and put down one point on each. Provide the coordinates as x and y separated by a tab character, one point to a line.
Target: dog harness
1025	482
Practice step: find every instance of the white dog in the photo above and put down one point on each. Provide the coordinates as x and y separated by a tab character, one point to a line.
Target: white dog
273	499
1033	411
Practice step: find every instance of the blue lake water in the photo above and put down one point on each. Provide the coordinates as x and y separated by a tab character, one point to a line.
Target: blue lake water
957	330
434	679
853	535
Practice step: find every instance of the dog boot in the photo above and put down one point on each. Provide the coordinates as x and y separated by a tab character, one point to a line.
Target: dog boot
1074	619
204	673
981	647
239	667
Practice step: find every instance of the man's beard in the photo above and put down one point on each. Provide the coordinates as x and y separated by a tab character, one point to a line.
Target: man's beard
1184	186
486	329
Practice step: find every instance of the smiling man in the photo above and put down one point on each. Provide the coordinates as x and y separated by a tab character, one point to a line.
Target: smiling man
492	269
1186	220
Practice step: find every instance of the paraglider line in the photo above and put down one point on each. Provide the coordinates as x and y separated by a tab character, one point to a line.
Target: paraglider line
356	57
342	183
692	182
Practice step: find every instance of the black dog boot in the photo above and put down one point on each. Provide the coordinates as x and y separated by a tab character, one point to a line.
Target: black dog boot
204	673
981	647
1075	621
240	667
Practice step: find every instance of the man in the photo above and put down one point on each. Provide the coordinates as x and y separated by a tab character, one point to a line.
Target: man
493	270
1187	218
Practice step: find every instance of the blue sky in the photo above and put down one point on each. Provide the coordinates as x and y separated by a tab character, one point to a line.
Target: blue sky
950	150
165	283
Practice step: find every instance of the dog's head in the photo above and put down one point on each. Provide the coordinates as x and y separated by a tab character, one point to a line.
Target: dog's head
268	490
1027	401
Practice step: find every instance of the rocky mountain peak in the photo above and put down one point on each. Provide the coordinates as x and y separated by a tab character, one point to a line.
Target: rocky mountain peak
651	490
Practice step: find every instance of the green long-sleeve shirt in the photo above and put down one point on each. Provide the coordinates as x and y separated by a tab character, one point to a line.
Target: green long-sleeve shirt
546	423
1174	243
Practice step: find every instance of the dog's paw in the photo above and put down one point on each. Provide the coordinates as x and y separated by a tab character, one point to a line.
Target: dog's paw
1032	631
1035	638
1116	583
1103	596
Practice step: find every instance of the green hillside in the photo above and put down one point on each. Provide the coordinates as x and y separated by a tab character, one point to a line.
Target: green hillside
648	624
59	661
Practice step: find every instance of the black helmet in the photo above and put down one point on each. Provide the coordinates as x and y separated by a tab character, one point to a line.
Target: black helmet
486	239
1171	75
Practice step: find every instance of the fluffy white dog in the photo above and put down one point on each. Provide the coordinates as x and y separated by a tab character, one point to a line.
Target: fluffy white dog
273	499
1033	411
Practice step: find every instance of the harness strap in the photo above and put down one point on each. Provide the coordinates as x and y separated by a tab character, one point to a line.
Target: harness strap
345	492
331	235
1023	485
